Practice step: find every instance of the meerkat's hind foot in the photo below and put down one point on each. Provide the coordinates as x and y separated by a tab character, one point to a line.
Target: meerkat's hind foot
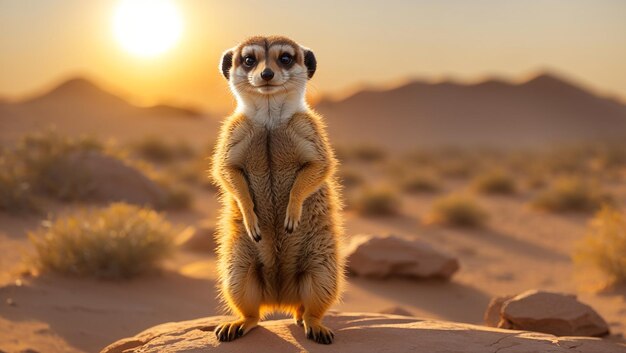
319	333
229	331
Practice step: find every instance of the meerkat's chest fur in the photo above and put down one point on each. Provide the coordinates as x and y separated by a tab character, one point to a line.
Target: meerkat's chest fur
271	111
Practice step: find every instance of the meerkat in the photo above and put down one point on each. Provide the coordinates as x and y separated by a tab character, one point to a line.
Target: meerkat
280	232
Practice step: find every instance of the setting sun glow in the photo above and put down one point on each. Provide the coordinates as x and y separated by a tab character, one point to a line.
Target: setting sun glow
147	28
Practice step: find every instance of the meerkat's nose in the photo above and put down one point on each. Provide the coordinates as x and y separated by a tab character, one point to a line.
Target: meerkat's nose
267	74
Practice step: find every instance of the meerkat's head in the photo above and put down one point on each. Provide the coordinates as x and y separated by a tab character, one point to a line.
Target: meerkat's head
264	66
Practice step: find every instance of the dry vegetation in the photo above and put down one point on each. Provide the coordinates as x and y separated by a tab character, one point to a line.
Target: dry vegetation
421	182
40	160
120	241
571	194
362	153
604	246
495	182
45	164
380	201
457	210
16	194
158	150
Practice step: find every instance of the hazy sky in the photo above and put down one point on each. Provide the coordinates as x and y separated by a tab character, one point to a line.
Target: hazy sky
45	41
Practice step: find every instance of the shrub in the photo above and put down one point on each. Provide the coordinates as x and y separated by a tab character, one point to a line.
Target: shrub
604	246
367	153
495	182
119	241
457	210
158	150
350	177
571	194
377	202
177	196
16	194
421	182
42	160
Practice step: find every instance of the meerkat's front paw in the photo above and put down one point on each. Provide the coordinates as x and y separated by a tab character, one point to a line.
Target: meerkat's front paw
292	220
251	223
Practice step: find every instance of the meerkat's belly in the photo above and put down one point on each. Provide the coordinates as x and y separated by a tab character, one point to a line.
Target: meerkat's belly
271	167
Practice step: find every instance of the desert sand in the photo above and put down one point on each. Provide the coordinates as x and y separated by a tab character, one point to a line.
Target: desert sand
520	248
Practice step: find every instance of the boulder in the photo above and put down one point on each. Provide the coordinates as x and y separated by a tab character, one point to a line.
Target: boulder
356	332
108	179
548	312
392	256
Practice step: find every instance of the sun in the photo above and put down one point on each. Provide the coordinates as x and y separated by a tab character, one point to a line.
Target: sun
147	28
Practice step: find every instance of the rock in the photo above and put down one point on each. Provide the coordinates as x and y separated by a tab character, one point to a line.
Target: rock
492	315
540	311
108	179
387	256
356	332
200	239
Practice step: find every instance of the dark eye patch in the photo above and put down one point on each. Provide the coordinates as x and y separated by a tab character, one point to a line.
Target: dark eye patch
249	61
285	59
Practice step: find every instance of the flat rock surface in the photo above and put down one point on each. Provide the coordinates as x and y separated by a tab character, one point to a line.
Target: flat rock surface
357	332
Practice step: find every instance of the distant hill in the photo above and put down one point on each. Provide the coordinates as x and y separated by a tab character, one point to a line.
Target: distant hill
541	111
79	106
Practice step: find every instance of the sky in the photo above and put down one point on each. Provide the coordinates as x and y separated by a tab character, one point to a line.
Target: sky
43	42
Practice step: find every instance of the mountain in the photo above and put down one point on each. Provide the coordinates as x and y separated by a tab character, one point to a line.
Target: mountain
79	106
542	111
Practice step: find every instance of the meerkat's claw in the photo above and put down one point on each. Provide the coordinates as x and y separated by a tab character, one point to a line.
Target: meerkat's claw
292	220
320	334
254	231
229	331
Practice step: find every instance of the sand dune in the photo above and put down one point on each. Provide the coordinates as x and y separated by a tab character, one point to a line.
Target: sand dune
543	110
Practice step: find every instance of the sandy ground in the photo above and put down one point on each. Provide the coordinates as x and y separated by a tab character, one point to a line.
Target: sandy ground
519	250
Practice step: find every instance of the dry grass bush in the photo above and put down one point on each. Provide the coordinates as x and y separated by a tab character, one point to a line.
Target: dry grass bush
381	201
421	182
120	241
365	153
350	178
158	150
604	246
178	196
457	210
495	182
39	159
571	194
16	194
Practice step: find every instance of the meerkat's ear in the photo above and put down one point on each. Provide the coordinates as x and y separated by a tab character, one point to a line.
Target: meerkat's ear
310	62
227	63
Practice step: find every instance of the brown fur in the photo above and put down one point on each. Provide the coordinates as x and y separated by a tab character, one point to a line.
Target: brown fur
278	185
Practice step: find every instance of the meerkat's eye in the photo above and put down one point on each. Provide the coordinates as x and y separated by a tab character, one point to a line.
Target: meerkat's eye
285	59
249	61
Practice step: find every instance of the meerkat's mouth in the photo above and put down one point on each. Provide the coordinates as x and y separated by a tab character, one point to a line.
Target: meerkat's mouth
268	88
